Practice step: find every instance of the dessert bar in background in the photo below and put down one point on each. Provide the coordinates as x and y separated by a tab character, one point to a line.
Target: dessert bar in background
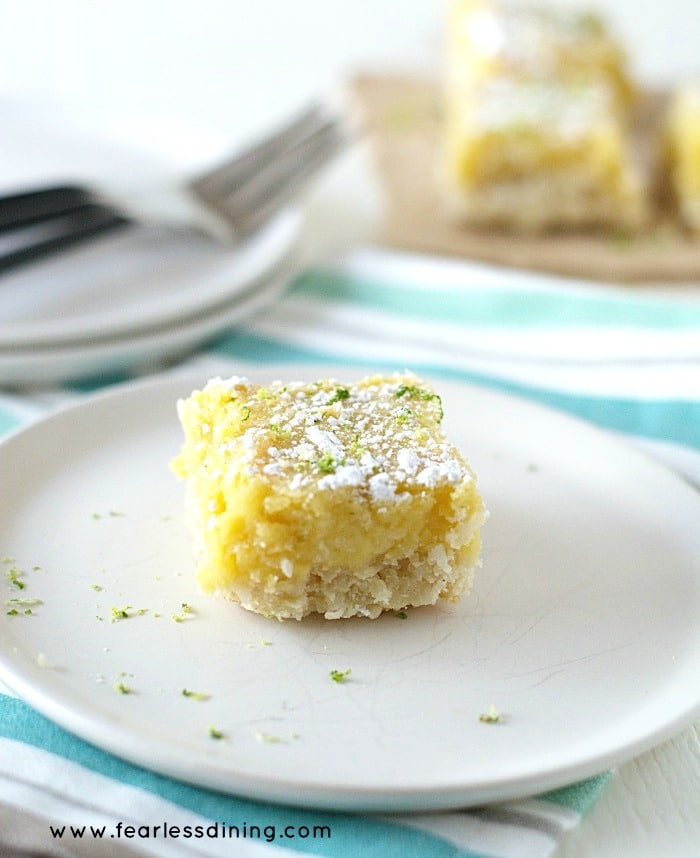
682	151
538	121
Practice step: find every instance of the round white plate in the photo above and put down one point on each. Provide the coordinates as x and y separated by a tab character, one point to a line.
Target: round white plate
135	279
583	629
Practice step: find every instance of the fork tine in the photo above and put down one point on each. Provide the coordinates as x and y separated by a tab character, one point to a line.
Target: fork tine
266	190
220	180
268	174
248	221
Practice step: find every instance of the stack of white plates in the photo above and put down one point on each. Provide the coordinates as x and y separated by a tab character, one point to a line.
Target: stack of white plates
137	298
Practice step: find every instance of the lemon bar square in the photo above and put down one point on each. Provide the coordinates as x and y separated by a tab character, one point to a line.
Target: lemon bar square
682	141
537	155
327	498
493	38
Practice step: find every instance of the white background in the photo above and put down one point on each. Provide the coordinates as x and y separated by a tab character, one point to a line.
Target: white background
230	64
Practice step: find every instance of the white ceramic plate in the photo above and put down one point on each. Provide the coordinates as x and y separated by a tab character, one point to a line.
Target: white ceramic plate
146	351
133	282
136	279
583	629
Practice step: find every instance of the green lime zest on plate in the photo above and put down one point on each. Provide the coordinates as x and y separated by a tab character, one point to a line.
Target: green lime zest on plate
14	578
340	675
492	716
194	695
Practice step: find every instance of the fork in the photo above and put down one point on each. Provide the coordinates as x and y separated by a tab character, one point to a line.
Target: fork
227	202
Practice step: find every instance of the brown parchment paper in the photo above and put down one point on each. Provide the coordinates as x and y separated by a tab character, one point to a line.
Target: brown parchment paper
402	117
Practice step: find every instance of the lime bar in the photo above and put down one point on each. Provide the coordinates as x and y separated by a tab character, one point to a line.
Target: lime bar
683	149
537	123
335	498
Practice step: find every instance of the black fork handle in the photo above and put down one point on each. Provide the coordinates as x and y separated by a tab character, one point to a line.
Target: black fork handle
44	221
32	207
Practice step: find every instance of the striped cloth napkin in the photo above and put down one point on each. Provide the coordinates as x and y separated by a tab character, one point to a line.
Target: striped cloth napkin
625	361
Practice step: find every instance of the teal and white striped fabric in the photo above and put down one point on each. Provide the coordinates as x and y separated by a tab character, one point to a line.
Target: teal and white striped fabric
628	362
50	781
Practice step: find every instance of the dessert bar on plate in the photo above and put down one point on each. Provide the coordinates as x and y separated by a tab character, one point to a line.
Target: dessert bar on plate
341	499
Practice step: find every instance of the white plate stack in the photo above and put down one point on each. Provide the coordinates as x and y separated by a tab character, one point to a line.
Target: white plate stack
140	297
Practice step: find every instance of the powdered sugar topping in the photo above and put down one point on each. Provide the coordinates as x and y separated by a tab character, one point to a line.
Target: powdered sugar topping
381	436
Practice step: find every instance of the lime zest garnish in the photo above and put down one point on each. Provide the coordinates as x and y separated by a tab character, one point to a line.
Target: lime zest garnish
340	675
14	578
117	614
194	695
340	393
492	716
415	392
267	738
327	464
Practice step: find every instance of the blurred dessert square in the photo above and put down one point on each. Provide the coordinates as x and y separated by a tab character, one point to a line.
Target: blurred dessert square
533	145
536	127
540	154
682	139
493	38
